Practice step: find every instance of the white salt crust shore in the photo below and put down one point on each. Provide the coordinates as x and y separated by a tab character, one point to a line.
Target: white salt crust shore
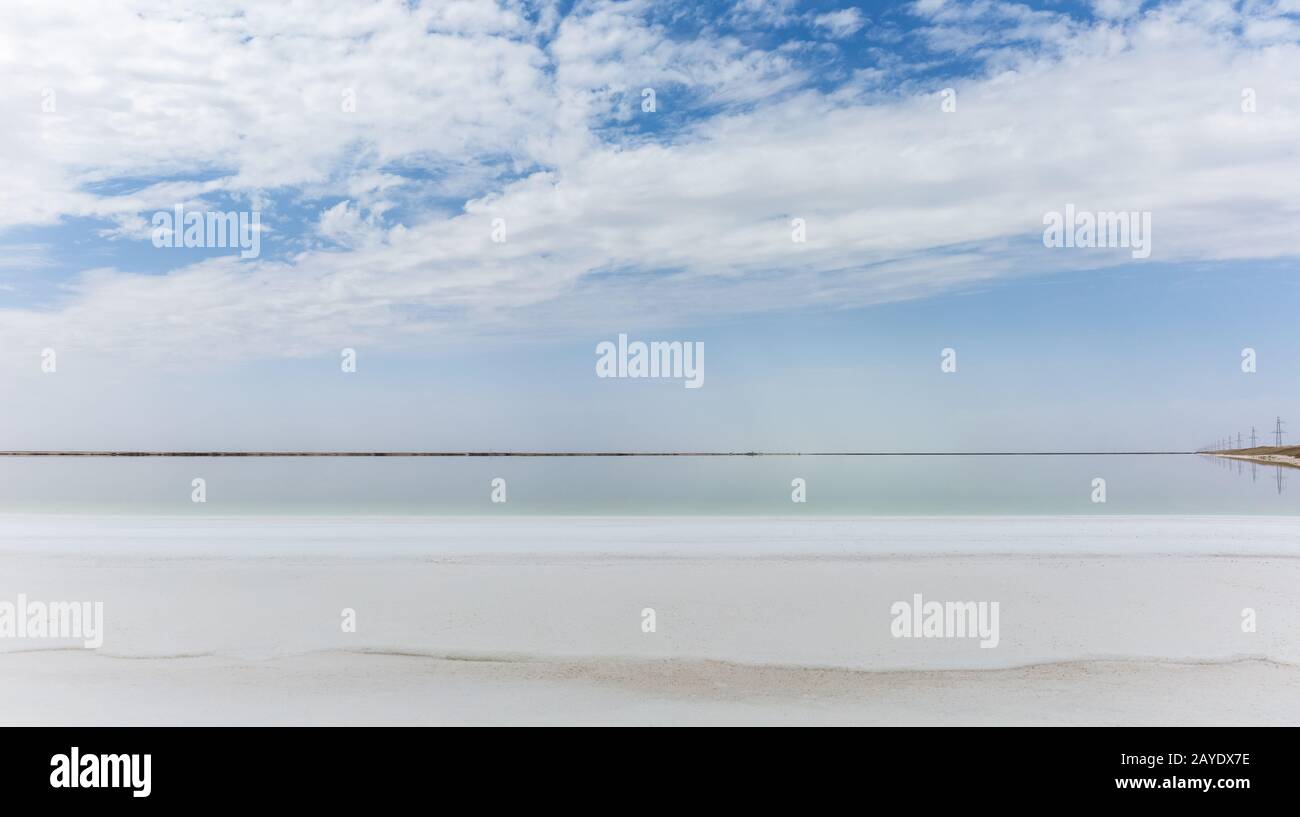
537	620
383	689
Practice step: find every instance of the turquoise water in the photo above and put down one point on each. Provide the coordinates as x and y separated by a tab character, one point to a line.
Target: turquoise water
898	485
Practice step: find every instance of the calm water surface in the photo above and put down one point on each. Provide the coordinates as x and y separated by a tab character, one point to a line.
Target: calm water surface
896	485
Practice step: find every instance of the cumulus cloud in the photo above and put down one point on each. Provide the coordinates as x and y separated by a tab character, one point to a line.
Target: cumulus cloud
469	112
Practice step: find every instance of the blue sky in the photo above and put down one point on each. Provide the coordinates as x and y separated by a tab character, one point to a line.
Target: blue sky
924	224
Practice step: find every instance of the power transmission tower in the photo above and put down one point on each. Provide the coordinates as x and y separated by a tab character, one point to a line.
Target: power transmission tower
1277	432
1238	440
1252	436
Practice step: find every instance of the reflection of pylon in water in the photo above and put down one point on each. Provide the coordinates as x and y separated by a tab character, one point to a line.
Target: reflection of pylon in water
1279	479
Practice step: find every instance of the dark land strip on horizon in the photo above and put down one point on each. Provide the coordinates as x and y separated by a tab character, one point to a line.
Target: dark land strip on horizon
181	454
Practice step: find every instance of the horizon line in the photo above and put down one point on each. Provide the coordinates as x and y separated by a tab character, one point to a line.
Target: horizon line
485	454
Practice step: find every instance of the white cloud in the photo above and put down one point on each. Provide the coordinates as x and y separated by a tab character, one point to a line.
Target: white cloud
344	224
1116	9
842	23
901	200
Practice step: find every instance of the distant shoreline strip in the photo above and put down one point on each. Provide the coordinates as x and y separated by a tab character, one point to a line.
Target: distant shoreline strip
484	454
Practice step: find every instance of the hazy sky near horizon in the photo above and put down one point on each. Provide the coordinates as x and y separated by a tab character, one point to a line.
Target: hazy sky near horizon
383	143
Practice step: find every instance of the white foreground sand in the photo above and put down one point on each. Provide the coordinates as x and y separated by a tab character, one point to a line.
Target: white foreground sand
538	620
